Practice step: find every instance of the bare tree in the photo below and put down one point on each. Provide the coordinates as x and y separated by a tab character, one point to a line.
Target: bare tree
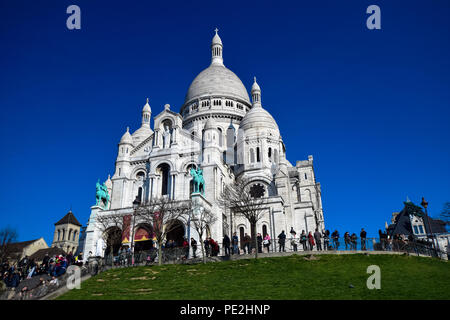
112	228
202	219
8	235
162	214
445	213
244	201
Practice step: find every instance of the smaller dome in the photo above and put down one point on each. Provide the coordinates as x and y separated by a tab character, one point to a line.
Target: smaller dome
147	107
126	138
259	118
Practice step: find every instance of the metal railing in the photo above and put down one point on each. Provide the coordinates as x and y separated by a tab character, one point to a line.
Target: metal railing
180	254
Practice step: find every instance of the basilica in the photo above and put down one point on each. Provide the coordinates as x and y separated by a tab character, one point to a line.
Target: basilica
229	136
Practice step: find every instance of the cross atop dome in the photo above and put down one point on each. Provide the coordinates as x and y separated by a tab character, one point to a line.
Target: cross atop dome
216	30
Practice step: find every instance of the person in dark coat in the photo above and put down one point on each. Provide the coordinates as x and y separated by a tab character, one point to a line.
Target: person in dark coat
303	240
207	247
335	236
226	244
347	240
318	238
45	261
246	241
259	239
281	241
363	236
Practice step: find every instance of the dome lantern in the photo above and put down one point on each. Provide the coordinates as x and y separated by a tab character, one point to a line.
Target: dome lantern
146	114
256	94
216	49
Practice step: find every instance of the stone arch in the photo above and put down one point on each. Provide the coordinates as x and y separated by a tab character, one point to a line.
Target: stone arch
113	236
138	170
157	163
143	234
177	232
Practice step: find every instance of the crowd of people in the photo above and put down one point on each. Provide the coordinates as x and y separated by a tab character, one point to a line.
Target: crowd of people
318	241
305	241
12	274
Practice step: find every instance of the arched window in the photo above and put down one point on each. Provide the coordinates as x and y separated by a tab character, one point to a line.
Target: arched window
70	234
63	235
252	156
270	154
59	235
264	230
308	195
140	175
275	155
164	170
192	135
257	190
220	137
74	235
258	155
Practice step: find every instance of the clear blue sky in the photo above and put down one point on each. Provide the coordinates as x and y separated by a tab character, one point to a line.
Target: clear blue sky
372	107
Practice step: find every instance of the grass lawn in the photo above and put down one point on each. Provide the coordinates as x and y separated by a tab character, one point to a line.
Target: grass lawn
292	277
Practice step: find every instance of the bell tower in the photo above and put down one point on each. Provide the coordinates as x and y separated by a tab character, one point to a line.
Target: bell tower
67	233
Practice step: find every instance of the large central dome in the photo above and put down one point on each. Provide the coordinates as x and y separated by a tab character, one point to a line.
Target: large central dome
217	80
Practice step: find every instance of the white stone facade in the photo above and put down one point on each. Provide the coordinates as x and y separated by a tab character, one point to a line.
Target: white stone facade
229	137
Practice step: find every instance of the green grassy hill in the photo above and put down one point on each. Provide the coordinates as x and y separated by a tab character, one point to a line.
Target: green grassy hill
292	277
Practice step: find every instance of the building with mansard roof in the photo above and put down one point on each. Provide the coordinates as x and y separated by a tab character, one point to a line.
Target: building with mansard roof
229	136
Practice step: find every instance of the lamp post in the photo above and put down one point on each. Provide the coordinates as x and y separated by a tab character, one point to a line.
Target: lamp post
425	205
136	204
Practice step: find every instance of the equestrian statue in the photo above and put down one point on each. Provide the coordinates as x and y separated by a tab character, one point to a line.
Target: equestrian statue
199	182
102	194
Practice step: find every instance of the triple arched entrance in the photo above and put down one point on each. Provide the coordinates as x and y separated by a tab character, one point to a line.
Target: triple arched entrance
143	237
